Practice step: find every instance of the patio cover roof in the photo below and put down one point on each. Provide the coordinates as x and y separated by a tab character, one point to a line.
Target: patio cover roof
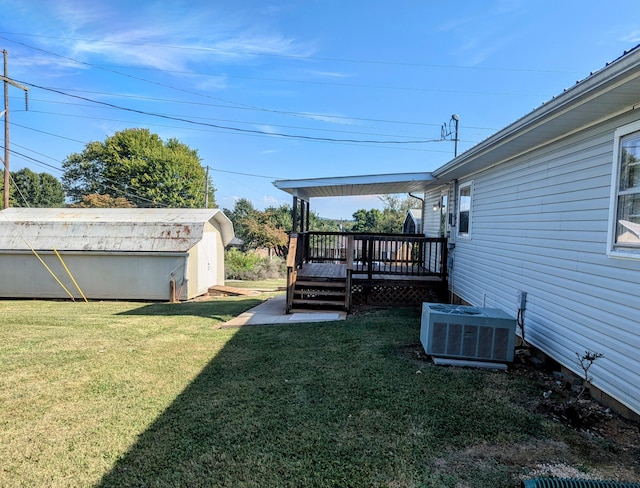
344	186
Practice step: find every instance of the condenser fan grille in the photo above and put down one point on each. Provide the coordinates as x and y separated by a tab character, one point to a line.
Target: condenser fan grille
467	332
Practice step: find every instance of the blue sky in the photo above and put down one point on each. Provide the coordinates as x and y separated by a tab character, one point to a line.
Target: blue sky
295	89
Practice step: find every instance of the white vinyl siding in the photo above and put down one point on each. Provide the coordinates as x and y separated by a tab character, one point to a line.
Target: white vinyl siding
540	225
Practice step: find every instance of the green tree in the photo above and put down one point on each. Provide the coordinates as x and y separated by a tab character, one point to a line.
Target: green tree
367	220
321	224
140	166
102	201
389	220
242	209
31	189
261	229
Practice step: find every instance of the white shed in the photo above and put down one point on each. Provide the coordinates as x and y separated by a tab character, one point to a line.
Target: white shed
127	254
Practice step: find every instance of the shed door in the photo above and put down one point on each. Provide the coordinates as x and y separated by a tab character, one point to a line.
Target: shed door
207	266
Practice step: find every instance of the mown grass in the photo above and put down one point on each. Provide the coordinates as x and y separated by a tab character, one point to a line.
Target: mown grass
267	285
126	394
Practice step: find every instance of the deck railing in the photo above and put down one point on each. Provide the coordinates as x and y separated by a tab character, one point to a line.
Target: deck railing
380	254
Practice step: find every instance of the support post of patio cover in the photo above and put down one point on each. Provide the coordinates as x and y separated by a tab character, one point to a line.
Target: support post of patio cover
304	226
294	216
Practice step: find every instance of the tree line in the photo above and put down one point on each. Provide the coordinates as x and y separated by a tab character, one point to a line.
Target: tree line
269	228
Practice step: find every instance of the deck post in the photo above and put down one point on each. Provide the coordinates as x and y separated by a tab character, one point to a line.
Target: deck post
349	266
294	215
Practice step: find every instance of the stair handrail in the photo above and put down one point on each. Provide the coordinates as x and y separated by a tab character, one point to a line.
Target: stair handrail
292	269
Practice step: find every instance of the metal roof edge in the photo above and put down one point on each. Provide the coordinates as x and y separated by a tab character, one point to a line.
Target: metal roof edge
226	226
352	180
355	185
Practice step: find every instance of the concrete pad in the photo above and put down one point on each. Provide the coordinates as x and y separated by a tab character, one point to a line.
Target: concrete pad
465	363
314	316
273	311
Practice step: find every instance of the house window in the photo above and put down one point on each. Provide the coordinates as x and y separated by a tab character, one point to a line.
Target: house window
624	231
464	210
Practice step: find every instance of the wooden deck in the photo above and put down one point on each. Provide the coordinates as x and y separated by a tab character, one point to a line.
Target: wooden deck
326	271
338	271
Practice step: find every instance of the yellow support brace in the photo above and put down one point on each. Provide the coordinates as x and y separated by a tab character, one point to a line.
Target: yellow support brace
49	270
70	275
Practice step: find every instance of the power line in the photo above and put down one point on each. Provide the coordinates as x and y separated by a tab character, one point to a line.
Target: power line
111	187
293	56
313	116
225	120
395	148
246	174
239	105
60	170
320	117
229	128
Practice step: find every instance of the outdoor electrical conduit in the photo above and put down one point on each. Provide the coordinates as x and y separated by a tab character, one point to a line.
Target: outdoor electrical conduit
575	483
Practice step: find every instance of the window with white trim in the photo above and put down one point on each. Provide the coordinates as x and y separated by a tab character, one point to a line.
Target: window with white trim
465	194
624	231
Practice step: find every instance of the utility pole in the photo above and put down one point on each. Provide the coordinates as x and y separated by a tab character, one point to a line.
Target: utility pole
457	121
206	189
7	81
446	132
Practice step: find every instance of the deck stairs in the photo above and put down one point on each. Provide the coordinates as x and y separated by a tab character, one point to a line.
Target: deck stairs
320	294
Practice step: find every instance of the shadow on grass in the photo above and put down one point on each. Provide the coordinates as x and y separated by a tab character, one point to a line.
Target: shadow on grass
221	309
329	404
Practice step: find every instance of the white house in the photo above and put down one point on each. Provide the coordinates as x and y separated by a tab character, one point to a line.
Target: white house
129	254
550	206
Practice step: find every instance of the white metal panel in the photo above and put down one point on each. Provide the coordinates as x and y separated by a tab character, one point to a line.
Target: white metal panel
540	225
158	230
132	276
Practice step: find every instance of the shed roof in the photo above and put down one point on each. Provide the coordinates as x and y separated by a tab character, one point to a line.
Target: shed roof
108	229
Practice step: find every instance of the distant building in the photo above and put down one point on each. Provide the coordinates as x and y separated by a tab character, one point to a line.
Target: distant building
413	221
115	253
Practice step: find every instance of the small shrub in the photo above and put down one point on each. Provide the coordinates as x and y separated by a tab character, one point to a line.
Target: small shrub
250	266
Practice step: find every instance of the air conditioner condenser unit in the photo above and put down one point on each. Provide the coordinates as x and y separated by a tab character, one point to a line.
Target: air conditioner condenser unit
461	332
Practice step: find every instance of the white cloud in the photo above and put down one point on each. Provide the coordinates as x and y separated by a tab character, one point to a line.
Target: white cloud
329	74
633	37
268	130
269	200
167	37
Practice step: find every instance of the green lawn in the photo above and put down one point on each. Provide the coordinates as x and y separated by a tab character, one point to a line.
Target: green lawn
265	285
133	394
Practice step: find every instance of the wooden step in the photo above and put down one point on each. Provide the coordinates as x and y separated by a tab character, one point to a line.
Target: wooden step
323	284
324	293
297	301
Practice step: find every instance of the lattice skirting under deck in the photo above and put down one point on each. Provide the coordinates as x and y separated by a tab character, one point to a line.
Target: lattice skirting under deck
386	295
